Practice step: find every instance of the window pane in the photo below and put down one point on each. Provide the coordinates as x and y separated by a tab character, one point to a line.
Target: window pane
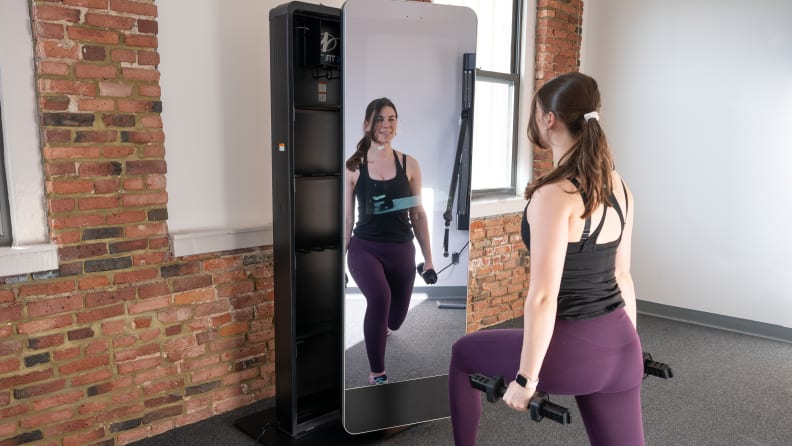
494	39
493	134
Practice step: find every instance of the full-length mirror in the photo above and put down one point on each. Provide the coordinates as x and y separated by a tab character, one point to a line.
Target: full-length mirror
406	253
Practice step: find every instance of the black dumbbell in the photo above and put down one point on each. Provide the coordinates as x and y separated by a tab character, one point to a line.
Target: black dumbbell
429	276
539	406
655	368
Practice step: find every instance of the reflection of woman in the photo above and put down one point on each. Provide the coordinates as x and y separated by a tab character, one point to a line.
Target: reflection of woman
381	254
579	336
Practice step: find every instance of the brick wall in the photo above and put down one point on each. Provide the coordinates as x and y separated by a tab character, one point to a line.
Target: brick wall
499	275
123	341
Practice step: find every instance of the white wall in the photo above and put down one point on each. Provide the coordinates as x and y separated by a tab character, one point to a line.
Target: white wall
697	107
216	114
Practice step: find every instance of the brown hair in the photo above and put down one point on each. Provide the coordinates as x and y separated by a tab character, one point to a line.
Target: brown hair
372	113
589	161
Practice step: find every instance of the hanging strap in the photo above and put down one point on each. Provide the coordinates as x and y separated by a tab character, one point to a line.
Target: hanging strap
587	224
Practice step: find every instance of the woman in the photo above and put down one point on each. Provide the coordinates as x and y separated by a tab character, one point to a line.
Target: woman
579	336
381	254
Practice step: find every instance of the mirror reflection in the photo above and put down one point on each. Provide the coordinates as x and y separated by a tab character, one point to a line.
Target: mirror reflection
407	284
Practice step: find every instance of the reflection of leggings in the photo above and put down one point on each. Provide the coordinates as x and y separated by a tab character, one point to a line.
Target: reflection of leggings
599	360
385	273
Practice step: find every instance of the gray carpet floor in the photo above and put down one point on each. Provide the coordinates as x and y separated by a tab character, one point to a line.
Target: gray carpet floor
421	347
728	389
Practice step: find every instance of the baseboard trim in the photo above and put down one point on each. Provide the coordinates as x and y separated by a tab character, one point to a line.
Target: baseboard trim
433	292
738	325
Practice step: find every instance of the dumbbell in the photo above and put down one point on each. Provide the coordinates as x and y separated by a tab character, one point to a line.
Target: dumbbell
655	368
540	406
429	276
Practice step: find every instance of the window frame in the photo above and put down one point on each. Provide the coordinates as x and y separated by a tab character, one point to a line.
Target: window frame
514	77
6	232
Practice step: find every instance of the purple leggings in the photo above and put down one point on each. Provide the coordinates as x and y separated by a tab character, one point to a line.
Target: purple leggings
598	360
385	274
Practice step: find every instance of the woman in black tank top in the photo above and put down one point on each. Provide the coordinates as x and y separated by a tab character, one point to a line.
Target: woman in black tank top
579	336
381	255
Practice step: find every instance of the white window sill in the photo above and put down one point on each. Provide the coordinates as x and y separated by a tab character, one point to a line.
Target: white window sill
17	260
490	207
200	242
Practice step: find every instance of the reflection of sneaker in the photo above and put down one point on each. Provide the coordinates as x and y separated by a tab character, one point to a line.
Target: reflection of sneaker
388	333
377	380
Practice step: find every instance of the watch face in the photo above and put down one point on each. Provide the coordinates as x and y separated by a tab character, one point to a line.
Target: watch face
521	380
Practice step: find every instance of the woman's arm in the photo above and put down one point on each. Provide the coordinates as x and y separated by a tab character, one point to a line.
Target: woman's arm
417	213
623	256
548	215
350	178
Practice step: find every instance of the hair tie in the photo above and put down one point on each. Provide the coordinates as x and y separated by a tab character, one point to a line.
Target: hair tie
590	115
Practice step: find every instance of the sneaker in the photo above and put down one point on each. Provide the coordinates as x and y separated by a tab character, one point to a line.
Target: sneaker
377	380
388	332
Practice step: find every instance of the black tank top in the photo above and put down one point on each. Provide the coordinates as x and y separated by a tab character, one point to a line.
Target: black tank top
588	282
383	205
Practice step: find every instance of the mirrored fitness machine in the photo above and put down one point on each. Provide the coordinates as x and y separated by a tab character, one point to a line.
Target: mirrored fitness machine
306	70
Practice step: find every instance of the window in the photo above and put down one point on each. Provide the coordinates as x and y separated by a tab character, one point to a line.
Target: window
497	91
5	214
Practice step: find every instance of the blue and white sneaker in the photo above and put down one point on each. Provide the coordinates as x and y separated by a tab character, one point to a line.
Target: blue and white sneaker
377	380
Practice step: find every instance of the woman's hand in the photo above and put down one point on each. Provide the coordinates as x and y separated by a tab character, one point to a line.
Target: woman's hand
517	397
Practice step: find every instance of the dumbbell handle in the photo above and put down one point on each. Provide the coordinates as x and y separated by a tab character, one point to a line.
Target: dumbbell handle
539	406
655	368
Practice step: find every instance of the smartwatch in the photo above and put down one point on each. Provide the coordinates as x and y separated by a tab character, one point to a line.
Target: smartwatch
523	381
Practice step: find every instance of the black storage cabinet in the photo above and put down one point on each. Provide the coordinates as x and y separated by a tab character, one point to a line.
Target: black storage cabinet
307	160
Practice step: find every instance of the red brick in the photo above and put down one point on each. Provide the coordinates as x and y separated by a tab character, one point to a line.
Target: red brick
80	33
57	49
92	377
84	364
117	151
7	296
153	290
137	365
54	306
96	105
21	380
100	313
56	14
60	186
147	26
109	21
9	365
132	7
113	328
114	89
146	230
83	438
55	103
148	58
44	419
11	313
198	295
140	275
51	401
93	71
119	55
138	352
151	121
140	40
43	30
93	282
44	324
53	68
94	4
179	314
139	74
54	153
126	217
149	305
152	91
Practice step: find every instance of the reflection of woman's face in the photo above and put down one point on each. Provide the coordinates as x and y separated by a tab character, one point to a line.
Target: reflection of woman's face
385	125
